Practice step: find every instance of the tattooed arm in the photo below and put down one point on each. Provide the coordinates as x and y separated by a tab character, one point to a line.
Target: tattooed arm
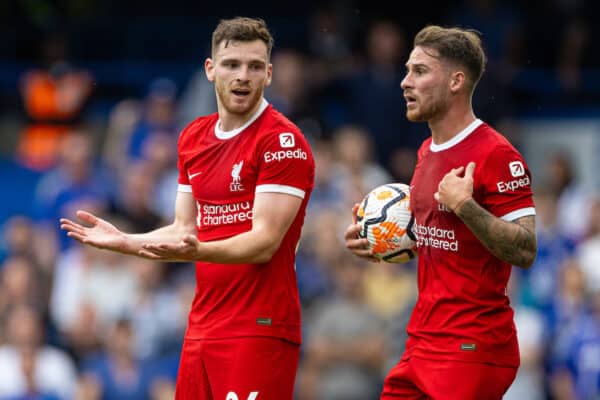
513	242
510	241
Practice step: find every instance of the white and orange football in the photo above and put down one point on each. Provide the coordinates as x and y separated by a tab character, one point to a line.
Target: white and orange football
386	221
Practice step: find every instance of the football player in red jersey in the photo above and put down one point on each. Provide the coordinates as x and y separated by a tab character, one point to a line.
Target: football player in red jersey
474	218
245	176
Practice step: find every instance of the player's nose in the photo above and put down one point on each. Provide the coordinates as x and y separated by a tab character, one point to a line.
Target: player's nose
243	73
406	82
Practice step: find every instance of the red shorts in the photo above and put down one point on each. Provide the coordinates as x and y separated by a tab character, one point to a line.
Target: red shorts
253	368
418	378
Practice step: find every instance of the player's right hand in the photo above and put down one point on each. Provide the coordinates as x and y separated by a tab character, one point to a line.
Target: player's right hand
100	234
358	246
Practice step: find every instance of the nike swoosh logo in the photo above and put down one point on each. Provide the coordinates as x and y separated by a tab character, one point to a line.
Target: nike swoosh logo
190	176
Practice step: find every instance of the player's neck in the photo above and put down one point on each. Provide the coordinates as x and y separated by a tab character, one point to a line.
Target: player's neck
229	121
450	123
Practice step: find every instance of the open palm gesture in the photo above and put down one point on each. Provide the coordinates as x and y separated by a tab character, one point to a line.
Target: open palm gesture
101	234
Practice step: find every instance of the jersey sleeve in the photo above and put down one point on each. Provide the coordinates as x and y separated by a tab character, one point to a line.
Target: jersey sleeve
183	179
506	184
285	164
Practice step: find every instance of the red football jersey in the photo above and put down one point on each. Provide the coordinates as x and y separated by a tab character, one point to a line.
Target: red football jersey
463	312
224	170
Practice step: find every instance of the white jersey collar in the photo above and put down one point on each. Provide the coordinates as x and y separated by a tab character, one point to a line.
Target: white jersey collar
224	135
459	137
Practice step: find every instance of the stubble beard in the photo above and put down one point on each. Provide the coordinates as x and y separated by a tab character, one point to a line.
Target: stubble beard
427	111
225	98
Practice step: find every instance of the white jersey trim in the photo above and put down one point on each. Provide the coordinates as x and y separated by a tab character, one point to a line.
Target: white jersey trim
271	188
184	188
459	137
224	135
523	212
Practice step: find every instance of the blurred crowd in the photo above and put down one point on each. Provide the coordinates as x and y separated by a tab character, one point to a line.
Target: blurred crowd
80	323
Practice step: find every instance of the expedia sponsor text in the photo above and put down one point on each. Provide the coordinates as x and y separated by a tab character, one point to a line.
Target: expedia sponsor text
283	154
513	185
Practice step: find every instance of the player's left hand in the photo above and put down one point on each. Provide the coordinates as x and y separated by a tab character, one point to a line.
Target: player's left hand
456	187
188	249
358	246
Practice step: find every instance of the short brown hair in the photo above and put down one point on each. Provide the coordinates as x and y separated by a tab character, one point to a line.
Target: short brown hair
462	46
242	29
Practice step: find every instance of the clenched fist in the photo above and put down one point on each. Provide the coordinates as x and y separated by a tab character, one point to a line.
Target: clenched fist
456	187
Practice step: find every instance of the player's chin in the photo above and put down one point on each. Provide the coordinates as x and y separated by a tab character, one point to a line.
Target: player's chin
414	116
243	104
239	107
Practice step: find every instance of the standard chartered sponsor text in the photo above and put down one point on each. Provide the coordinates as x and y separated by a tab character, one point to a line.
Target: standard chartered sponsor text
437	238
224	214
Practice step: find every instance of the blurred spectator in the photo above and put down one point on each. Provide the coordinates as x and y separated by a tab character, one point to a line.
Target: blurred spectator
345	349
538	285
402	164
158	318
577	376
75	181
21	283
329	40
197	98
327	191
390	288
374	96
589	249
82	277
500	25
158	116
53	96
321	247
573	197
20	238
117	373
529	382
291	92
136	195
132	124
565	311
76	321
17	235
159	156
121	121
565	317
356	171
80	305
109	270
570	56
28	367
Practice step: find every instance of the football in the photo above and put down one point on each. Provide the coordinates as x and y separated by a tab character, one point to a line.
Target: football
386	221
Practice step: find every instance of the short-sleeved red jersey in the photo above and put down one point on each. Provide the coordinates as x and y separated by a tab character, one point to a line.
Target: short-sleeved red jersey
223	171
463	312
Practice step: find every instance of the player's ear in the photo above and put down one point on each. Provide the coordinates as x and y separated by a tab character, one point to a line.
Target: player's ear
457	81
209	69
269	74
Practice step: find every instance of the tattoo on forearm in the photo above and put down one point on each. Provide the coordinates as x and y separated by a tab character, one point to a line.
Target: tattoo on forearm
513	242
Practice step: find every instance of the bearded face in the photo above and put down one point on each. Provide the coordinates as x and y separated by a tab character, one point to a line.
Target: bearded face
240	72
426	85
